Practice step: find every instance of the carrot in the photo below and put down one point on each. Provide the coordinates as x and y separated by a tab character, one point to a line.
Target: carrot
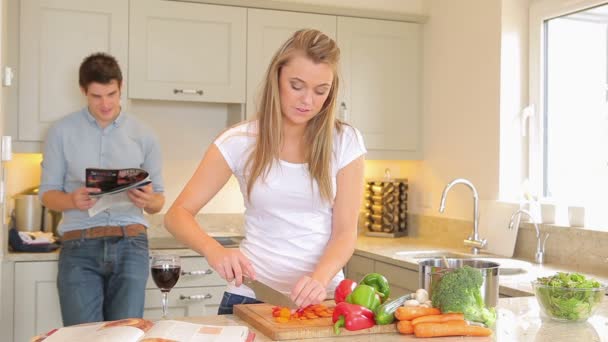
409	313
451	328
439	318
405	327
281	319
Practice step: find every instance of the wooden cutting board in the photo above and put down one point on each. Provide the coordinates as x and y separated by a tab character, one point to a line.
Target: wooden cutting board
260	317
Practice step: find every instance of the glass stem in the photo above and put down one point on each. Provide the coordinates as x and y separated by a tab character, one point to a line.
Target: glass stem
165	301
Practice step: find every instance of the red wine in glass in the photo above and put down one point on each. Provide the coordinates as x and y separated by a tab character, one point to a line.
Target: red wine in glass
165	271
165	276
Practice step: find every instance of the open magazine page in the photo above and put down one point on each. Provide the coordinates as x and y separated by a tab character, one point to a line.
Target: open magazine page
112	181
107	201
126	330
173	331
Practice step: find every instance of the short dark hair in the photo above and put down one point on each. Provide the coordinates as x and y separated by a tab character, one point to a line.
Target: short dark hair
99	67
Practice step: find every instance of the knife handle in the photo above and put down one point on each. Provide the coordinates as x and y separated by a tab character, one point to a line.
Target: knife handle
196	297
194	273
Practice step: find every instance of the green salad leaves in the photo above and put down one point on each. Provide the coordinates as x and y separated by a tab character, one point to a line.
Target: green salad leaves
568	296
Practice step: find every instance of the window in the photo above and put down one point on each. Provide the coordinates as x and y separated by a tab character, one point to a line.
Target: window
569	88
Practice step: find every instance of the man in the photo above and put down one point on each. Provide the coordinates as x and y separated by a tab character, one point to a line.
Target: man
103	264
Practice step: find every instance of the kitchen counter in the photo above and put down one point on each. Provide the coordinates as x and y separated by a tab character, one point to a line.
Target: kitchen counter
377	248
515	285
518	320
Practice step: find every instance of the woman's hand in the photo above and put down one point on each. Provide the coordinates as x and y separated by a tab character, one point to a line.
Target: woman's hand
230	264
308	291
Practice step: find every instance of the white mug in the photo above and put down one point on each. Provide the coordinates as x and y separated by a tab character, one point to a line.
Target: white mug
548	213
576	216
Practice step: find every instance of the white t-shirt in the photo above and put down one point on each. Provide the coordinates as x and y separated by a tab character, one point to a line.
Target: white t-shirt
287	224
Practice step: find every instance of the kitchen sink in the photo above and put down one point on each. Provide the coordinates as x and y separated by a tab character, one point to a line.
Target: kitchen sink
507	266
432	254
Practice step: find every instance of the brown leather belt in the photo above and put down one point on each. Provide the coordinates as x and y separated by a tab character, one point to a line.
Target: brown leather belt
104	231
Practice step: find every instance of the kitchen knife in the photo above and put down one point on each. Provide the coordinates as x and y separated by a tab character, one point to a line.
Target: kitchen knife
269	295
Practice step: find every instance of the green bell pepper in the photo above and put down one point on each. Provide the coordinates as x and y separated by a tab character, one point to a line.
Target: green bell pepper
364	295
379	283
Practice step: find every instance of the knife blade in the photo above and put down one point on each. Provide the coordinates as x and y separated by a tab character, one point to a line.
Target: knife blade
269	295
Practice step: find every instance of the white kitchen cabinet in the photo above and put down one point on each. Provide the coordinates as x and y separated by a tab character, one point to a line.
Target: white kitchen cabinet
358	267
187	51
198	292
36	301
55	36
381	69
267	30
401	280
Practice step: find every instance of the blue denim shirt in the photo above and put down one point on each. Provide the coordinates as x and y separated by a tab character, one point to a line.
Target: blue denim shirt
77	142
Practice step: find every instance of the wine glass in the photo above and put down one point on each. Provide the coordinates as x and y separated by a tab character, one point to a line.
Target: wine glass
165	271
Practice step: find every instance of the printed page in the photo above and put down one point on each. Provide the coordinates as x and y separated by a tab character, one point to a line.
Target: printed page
105	202
96	333
173	331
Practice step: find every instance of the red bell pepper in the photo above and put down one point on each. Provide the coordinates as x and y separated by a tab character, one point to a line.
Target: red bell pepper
343	289
352	317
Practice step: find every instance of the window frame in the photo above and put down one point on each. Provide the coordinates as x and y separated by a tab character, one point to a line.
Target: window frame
540	11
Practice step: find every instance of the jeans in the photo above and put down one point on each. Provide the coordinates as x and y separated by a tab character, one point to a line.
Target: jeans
231	299
102	279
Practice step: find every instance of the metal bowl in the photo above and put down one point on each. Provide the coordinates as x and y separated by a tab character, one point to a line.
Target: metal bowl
432	269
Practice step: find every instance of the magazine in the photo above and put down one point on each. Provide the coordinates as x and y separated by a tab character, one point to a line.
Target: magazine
112	181
113	184
141	330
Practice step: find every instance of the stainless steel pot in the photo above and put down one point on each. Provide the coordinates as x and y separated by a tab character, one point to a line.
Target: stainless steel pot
28	212
432	269
32	216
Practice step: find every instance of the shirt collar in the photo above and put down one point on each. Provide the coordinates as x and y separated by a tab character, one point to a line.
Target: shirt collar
116	123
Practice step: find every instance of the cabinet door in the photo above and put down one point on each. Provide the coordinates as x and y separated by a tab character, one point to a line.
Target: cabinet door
55	36
267	30
401	280
36	300
358	267
381	67
187	51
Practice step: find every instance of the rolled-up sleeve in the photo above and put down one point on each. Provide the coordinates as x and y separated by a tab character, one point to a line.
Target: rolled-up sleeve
53	163
153	163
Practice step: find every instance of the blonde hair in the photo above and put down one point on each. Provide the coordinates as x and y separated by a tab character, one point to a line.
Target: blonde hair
318	135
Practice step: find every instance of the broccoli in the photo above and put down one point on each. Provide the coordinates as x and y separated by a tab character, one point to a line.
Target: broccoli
459	290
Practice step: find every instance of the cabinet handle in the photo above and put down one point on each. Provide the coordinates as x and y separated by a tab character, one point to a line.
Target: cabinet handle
188	91
343	112
196	297
195	273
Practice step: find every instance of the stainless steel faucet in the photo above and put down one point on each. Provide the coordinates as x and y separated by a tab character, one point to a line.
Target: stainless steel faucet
539	257
473	241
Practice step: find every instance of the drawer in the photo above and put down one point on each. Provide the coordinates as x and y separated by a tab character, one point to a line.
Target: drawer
195	272
184	302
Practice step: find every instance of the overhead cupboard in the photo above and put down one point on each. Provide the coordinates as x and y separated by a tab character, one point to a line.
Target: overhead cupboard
198	52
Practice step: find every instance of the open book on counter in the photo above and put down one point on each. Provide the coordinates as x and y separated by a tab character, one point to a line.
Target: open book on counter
141	330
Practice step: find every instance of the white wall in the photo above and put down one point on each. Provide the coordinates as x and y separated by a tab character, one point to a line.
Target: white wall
185	131
461	102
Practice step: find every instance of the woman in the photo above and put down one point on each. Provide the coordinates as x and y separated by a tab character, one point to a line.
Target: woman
301	174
